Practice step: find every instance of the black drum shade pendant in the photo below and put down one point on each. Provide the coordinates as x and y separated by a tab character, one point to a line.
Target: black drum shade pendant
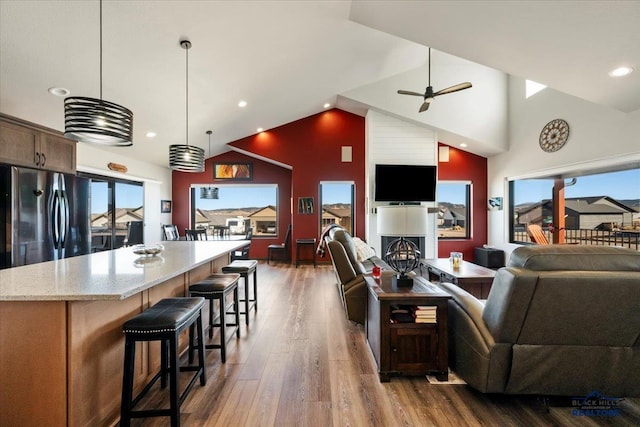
183	157
96	120
209	192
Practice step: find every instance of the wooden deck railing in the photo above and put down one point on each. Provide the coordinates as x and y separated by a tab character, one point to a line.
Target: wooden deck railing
624	238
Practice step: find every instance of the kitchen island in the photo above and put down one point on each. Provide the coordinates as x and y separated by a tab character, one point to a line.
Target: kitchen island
61	340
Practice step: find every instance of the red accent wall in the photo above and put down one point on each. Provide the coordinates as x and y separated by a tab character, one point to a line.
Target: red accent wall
263	173
464	166
312	147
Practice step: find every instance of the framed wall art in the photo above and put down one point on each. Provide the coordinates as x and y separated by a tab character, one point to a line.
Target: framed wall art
305	205
495	203
235	171
165	206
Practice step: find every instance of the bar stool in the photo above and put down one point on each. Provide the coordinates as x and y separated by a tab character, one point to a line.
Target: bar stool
163	322
217	287
244	268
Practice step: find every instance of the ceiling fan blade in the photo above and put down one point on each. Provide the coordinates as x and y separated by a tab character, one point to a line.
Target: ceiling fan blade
407	92
455	88
425	105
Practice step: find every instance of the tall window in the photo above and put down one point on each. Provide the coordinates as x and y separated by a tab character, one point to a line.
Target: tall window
336	199
117	206
600	208
238	208
454	219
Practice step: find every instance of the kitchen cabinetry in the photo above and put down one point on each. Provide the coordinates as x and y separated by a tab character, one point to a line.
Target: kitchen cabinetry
26	144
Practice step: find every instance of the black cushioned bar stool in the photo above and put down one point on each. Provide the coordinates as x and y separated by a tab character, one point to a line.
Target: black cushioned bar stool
217	287
162	322
245	268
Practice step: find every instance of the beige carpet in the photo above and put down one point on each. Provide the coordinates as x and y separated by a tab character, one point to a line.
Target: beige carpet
453	379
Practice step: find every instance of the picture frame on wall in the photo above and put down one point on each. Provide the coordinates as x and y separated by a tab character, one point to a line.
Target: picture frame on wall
233	171
495	203
165	206
305	205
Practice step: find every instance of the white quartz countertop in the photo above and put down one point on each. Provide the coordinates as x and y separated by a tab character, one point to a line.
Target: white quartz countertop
108	275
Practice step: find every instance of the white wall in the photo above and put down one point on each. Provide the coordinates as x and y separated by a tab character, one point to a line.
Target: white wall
599	137
476	116
156	181
393	141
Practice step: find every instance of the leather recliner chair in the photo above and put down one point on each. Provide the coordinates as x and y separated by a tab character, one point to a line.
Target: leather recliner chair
560	320
349	272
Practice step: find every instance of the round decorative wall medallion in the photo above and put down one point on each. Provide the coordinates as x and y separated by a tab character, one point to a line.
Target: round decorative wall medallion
554	135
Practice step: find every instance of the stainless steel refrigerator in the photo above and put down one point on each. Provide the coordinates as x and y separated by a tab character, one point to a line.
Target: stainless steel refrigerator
44	216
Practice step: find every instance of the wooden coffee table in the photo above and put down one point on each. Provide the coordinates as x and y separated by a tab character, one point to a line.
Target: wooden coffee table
471	277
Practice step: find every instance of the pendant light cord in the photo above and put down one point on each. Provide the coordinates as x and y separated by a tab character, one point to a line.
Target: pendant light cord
100	49
187	91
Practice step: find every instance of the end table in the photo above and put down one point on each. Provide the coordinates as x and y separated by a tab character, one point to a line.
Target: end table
306	242
407	348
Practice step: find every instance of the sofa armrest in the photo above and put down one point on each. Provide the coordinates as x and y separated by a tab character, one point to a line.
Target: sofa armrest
473	308
473	353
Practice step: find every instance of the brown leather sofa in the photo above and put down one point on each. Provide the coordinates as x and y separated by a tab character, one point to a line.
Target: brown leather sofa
560	320
349	272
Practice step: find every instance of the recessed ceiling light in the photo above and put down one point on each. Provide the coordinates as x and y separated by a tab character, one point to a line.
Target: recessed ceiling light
59	91
150	134
260	130
327	105
242	104
463	145
620	71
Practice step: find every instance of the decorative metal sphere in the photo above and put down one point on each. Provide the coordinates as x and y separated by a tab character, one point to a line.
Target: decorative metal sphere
403	256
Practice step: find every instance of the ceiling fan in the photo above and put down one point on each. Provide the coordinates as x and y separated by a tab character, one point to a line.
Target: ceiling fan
429	94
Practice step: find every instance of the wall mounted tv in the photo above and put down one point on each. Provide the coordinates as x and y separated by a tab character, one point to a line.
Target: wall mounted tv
405	183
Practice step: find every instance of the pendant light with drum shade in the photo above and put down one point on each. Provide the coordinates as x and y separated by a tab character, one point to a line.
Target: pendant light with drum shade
96	120
185	157
209	192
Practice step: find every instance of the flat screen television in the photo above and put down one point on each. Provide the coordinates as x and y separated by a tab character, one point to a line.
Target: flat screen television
405	183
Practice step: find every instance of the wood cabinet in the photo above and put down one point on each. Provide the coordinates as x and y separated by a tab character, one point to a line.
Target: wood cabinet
25	144
406	348
414	347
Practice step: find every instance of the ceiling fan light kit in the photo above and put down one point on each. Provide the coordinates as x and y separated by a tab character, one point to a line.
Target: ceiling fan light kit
96	120
185	157
429	94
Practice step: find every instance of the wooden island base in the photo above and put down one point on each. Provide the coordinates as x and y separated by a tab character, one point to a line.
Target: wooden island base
61	361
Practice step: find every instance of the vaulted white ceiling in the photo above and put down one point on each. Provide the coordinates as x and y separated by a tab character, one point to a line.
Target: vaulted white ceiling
287	59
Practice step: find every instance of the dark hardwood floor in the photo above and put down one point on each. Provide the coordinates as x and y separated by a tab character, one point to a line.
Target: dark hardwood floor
301	363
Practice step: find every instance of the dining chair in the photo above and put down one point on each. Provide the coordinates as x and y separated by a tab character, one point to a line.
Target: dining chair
195	234
280	248
134	233
243	253
170	232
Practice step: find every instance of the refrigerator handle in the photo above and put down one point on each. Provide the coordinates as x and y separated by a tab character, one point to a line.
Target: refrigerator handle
64	211
55	220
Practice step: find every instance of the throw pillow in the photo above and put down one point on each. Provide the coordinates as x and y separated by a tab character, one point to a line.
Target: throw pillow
363	250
